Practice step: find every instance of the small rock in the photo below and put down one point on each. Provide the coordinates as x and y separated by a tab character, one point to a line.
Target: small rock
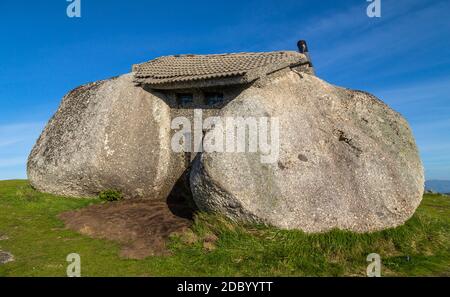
210	237
6	257
209	246
189	237
4	237
209	241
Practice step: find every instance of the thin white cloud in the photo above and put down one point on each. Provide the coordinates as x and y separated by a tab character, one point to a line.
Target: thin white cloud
436	147
13	134
15	127
355	17
430	125
16	141
12	162
395	36
341	27
9	142
422	90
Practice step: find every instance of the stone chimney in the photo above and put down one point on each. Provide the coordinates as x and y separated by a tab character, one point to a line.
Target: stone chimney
303	49
302	46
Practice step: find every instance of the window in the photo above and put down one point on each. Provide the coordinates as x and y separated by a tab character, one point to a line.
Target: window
213	98
185	99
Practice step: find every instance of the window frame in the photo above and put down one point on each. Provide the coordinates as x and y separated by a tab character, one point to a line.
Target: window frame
180	98
218	98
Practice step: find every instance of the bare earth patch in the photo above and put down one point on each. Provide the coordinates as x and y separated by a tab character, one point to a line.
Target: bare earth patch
141	226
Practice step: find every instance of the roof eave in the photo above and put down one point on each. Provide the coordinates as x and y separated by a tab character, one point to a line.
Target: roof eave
193	84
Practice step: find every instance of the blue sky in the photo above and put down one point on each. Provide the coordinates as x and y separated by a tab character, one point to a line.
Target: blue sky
402	57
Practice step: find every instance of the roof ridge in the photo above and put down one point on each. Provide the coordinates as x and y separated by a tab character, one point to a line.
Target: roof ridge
225	54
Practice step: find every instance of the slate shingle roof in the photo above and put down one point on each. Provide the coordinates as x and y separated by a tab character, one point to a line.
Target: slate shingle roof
170	71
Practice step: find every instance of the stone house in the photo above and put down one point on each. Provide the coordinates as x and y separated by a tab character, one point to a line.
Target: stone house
210	81
346	160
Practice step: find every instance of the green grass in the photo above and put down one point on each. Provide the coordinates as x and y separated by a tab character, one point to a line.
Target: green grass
40	245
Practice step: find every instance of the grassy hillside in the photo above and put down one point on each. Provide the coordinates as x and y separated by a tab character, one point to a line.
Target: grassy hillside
217	247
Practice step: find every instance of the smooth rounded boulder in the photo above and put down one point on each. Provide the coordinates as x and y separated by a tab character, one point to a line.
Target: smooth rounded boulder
105	135
346	161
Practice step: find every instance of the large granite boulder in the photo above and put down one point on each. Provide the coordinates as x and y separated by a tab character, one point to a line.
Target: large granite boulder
106	135
346	161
